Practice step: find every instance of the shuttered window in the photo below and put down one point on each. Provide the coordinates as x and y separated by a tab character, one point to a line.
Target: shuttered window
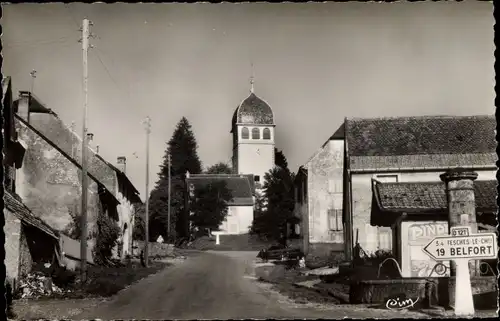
335	220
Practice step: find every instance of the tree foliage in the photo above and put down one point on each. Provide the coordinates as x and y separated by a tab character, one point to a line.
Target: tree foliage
108	233
278	202
219	168
280	159
138	232
209	205
182	148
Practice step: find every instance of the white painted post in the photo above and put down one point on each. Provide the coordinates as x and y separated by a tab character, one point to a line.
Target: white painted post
464	303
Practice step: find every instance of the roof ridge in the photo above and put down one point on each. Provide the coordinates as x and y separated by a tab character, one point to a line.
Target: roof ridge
419	117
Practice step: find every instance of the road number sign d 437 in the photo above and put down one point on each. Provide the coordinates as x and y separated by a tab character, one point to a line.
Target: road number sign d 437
473	246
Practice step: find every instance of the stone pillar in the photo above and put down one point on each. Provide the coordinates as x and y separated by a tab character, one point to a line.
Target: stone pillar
461	212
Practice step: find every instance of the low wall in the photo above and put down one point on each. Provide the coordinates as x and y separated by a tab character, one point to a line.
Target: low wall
71	250
323	254
484	289
155	249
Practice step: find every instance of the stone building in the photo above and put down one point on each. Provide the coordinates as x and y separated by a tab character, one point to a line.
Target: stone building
28	239
399	149
49	181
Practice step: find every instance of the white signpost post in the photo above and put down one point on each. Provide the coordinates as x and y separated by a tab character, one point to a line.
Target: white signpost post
462	246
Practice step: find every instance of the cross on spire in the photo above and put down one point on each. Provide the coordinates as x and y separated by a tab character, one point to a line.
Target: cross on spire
252	80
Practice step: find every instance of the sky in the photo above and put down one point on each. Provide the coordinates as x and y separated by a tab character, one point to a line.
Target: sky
314	63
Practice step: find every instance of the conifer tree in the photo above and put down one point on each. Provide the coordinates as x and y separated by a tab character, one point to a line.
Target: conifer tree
182	148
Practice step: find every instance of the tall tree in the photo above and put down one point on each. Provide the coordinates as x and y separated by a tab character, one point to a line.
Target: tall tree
209	205
280	159
272	220
219	168
182	148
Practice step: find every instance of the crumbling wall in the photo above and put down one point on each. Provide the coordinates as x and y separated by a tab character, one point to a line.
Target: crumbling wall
50	184
25	259
12	230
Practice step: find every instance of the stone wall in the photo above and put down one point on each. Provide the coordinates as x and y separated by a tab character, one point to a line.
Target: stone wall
25	259
12	230
160	249
50	185
69	142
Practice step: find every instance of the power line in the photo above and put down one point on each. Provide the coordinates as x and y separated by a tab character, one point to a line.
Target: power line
72	16
106	69
36	43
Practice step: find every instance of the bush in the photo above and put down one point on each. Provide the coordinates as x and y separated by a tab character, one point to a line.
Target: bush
63	277
108	233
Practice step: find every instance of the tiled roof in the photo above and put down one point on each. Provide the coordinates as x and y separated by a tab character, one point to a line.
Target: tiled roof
238	185
368	163
429	196
129	191
253	110
425	135
14	204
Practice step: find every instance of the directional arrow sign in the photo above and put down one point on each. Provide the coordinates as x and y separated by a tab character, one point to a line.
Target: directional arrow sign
473	247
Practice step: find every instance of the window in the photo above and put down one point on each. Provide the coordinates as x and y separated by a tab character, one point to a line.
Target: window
245	134
394	178
267	133
255	133
335	220
335	185
256	178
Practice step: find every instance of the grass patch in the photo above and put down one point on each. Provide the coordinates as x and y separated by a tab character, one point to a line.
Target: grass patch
107	281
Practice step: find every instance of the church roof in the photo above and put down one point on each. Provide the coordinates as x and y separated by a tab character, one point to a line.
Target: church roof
240	186
253	110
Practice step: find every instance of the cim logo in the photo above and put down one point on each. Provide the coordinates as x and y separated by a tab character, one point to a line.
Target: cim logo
422	232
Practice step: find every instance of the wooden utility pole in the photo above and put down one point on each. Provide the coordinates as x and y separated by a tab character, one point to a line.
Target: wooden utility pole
147	125
83	236
169	195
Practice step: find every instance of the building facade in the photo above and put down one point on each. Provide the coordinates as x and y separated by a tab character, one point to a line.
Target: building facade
49	181
320	211
28	240
400	149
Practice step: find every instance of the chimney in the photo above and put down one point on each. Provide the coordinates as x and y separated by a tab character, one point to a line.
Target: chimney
461	212
90	137
121	162
23	105
97	149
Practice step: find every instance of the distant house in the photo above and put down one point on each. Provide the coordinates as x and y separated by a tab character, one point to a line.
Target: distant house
240	208
319	198
28	240
339	177
49	181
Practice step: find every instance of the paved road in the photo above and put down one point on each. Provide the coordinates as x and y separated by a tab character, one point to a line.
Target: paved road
206	286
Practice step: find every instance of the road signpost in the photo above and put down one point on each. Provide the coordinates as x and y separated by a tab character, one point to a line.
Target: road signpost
461	246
